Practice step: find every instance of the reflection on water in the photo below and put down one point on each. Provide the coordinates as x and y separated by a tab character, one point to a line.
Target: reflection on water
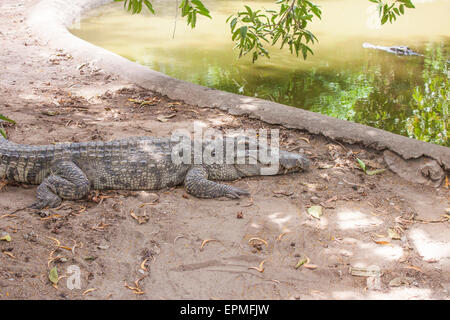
342	79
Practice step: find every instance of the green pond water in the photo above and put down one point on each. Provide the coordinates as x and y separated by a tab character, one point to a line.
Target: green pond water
407	95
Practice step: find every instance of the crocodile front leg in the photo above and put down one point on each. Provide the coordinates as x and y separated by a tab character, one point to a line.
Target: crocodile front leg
66	181
197	184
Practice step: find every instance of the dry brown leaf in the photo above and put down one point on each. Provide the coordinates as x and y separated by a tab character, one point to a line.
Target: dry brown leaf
281	235
82	209
89	290
206	241
165	118
386	243
140	219
260	268
137	289
150	203
53	216
304	139
100	227
414	268
309	266
143	267
9	254
259	239
58	243
3	183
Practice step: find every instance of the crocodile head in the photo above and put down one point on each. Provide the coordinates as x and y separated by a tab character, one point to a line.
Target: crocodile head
282	163
255	160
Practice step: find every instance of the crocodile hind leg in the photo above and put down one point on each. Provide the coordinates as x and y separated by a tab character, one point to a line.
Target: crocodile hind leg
66	181
197	184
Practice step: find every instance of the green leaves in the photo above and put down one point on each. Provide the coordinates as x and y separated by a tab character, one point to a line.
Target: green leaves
135	6
368	172
2	117
253	29
392	11
430	120
190	9
53	276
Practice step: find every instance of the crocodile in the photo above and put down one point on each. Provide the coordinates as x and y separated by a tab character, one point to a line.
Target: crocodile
68	171
398	50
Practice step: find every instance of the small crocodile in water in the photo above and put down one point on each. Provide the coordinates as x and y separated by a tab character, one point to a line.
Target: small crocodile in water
70	170
399	50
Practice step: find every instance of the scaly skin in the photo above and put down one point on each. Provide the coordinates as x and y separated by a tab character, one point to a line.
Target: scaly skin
70	170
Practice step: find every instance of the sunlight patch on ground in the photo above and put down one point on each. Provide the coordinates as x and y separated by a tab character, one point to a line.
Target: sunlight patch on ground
351	219
281	219
428	248
388	252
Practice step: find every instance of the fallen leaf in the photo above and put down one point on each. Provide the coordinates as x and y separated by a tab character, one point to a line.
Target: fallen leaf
58	243
259	239
281	235
325	166
165	118
260	268
387	243
300	263
315	211
89	290
205	242
140	219
6	238
137	289
414	268
371	271
308	265
373	172
53	216
143	267
361	164
393	234
50	113
53	276
304	139
9	254
397	282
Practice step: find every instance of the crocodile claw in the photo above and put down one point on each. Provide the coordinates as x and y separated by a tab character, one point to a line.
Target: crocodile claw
38	205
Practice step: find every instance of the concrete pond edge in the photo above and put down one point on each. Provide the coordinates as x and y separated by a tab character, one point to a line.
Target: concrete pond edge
49	20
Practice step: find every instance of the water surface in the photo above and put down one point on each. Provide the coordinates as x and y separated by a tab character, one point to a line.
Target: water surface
342	79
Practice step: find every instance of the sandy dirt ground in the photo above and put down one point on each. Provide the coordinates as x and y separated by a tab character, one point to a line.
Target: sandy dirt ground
379	237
